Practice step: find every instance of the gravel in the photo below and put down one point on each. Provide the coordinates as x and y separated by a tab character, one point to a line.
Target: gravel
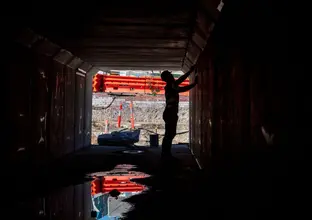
147	111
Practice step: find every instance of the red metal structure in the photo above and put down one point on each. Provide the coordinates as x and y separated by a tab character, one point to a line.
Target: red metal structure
130	84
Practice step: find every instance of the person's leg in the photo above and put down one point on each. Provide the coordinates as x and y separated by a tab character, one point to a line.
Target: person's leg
166	144
170	132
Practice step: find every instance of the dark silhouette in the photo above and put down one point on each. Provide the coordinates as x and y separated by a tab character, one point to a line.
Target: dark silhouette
170	115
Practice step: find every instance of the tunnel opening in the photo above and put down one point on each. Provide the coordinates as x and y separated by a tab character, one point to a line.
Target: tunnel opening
125	102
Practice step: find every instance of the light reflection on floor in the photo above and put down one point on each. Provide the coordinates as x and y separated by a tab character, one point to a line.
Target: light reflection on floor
109	189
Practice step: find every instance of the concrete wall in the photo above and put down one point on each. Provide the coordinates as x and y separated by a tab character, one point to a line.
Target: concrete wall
243	85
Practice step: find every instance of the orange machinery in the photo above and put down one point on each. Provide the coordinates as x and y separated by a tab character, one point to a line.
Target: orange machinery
130	84
97	83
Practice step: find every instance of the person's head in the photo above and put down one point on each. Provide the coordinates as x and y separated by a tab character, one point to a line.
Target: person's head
167	76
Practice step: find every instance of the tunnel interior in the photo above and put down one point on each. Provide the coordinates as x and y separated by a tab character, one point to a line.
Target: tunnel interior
241	112
66	55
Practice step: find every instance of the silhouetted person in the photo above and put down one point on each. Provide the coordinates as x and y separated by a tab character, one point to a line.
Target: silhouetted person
170	115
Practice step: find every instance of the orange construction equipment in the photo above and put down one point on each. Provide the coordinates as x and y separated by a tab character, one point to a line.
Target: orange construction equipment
97	83
119	116
130	84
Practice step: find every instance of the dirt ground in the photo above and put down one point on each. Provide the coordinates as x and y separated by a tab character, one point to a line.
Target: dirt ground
147	111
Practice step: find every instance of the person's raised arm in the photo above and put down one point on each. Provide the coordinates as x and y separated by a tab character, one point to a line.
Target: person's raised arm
188	87
184	76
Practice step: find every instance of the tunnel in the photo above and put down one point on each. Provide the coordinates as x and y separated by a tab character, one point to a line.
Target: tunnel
242	112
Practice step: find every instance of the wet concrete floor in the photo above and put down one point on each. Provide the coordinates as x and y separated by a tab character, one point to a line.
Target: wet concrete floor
62	190
105	182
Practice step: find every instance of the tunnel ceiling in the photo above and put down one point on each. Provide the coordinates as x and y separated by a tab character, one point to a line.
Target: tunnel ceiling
134	39
152	35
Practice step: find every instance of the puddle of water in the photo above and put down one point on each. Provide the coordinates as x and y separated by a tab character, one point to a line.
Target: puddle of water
109	189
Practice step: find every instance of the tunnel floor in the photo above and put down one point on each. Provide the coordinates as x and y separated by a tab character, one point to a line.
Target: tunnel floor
44	182
176	189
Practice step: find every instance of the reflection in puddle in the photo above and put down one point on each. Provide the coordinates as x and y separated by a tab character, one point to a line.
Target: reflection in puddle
109	189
